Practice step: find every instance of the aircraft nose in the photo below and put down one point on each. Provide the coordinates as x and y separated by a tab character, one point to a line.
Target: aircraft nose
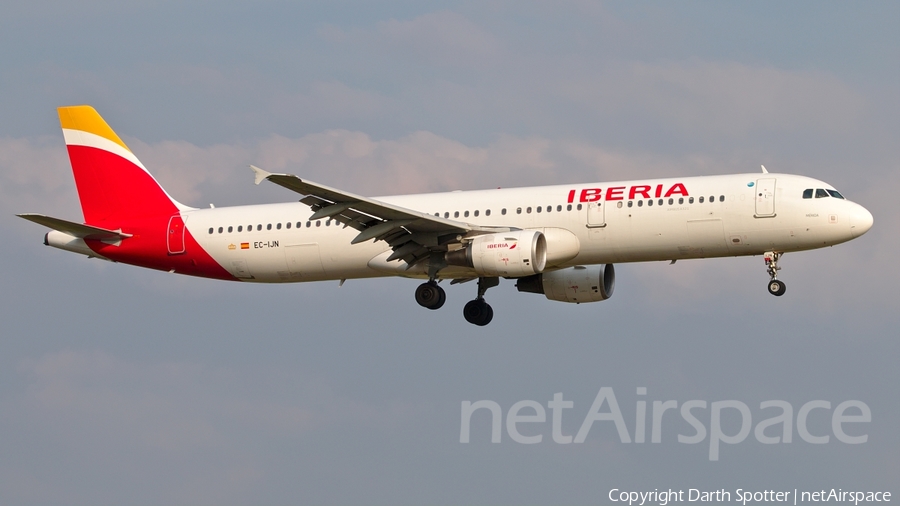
861	221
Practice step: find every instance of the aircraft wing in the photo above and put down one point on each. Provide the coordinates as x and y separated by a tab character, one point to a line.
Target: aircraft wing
412	234
75	229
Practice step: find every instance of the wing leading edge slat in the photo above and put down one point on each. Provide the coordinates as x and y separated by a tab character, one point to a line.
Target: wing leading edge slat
412	234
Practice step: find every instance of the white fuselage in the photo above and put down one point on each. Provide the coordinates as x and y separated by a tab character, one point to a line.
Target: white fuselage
630	221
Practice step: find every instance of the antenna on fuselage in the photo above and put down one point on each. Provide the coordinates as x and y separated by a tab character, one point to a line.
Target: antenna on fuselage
764	169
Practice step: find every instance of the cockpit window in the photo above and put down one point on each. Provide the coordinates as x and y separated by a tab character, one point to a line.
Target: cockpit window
835	194
820	193
807	193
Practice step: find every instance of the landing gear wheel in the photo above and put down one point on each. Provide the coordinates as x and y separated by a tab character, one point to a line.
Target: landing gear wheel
777	287
430	295
478	312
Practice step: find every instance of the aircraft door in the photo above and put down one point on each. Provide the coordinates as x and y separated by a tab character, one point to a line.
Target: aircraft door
175	235
765	197
596	215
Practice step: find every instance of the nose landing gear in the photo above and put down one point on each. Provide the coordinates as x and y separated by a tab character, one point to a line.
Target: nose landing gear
776	286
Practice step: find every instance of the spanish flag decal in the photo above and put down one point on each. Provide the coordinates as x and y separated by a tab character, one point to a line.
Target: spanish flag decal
245	245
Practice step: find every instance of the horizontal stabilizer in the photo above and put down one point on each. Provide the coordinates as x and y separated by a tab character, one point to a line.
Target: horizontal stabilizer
75	229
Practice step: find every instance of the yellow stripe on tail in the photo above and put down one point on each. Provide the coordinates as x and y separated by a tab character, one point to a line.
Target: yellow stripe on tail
86	119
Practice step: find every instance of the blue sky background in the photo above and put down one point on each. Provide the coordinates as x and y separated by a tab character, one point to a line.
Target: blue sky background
124	386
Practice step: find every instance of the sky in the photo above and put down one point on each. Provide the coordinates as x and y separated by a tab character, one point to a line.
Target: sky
125	386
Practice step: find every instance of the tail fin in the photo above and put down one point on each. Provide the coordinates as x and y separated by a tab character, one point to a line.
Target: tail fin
112	183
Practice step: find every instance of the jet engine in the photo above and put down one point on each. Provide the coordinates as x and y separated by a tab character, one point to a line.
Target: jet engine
577	284
509	254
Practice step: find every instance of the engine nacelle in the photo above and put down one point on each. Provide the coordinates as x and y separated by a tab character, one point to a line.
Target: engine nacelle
509	254
578	284
562	246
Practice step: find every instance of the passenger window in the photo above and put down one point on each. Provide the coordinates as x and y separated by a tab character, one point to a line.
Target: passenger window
807	193
287	225
210	230
538	208
230	229
240	228
476	213
456	214
308	224
518	210
721	198
579	207
466	214
446	214
569	207
835	194
649	203
619	204
630	203
220	230
318	223
712	198
690	200
278	226
299	224
660	202
487	212
671	201
820	193
701	200
528	210
503	211
259	226
640	203
680	200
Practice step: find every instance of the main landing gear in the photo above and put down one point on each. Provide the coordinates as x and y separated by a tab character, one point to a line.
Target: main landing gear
478	312
776	286
430	295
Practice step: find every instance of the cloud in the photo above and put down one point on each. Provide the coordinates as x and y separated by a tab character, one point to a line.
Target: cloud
35	176
730	99
443	37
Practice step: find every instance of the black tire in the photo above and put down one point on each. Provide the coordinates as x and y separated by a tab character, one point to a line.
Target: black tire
430	295
442	300
478	312
487	317
777	287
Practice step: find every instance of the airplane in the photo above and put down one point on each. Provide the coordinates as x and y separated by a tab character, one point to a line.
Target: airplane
560	241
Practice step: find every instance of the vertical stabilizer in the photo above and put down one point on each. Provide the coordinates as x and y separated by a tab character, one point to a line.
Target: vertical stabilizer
113	185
